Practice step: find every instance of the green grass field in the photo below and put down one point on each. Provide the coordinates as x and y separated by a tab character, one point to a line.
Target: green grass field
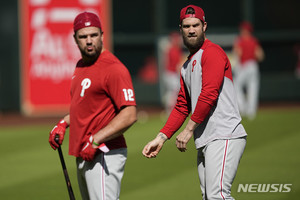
31	170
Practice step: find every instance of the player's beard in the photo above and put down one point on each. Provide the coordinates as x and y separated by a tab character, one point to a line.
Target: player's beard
194	43
93	55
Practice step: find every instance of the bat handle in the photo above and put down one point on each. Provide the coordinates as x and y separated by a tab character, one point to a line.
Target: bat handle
57	139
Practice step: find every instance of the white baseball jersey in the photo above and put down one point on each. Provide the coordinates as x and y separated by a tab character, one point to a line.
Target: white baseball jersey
207	91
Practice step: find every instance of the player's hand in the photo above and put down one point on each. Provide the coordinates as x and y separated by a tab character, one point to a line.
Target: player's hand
88	152
182	139
153	148
102	147
90	148
60	130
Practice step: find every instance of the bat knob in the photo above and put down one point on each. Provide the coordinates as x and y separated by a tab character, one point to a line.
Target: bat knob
57	139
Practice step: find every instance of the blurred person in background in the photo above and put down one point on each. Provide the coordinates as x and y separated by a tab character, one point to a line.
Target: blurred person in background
247	77
173	62
102	108
207	92
149	73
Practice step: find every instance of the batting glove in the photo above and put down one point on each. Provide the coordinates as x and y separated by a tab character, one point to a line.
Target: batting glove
88	152
60	130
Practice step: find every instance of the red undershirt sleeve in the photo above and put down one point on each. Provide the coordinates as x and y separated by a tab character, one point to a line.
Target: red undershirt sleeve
179	113
213	65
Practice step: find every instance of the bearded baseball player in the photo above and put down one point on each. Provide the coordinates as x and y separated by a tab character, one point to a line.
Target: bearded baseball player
102	108
207	92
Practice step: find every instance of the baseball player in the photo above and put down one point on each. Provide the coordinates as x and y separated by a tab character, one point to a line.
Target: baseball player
249	53
174	59
102	108
207	92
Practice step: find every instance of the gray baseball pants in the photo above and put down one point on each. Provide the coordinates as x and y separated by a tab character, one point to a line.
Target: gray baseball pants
101	178
217	166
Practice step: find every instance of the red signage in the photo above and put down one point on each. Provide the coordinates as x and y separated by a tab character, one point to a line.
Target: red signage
49	53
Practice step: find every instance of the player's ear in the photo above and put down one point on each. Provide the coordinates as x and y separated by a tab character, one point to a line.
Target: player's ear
204	26
74	36
101	36
180	28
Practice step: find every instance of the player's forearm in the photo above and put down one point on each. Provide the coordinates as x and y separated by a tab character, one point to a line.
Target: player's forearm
259	54
237	51
126	118
162	137
67	119
191	125
174	122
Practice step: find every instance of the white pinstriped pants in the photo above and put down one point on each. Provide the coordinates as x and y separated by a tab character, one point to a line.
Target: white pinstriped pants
101	178
217	166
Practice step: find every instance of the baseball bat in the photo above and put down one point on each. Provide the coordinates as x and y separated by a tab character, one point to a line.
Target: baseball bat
62	161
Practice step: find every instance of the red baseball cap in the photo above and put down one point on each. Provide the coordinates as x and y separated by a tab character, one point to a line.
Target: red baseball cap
86	19
199	13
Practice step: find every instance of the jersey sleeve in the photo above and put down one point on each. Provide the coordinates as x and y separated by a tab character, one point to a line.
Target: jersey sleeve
213	64
120	87
179	112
